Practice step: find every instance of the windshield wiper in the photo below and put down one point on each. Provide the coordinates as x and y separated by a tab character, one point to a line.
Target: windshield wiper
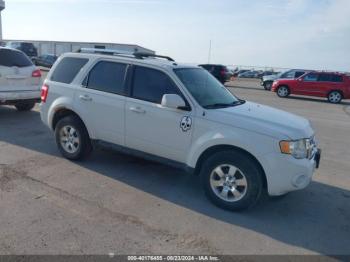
223	105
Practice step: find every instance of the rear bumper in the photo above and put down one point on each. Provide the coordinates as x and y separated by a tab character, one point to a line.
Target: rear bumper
8	97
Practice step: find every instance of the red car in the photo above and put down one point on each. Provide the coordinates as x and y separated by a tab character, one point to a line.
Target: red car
334	86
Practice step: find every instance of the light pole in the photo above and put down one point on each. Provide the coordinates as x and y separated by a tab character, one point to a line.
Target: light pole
2	7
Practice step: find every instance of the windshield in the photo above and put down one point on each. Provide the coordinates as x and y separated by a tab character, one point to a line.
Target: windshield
207	91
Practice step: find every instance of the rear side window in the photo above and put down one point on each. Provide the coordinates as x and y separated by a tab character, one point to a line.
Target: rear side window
150	85
107	77
12	58
67	69
337	78
325	78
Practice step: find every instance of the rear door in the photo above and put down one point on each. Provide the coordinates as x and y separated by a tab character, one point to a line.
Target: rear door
16	71
102	100
327	83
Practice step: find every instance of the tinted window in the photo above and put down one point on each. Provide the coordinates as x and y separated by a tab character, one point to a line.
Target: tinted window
337	78
299	74
67	69
311	77
325	78
14	58
288	75
151	85
107	77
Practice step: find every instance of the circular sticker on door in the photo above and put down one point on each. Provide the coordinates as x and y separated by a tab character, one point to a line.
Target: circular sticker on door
186	123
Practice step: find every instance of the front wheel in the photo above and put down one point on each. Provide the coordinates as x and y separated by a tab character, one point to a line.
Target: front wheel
283	91
267	86
335	97
25	106
72	138
232	180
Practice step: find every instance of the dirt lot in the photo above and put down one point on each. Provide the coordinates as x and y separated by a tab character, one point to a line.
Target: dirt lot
116	203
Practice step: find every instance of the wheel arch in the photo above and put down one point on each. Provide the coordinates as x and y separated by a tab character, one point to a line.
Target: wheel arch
63	112
219	148
333	90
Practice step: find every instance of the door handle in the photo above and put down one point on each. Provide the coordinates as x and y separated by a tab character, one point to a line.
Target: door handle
138	110
85	98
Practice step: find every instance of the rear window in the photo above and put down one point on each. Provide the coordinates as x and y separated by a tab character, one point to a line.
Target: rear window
12	58
67	69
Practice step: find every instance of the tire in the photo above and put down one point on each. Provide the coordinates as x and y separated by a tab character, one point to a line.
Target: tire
236	195
72	138
25	106
335	97
267	86
283	91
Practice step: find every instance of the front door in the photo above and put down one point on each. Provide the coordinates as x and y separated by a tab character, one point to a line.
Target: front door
150	127
308	85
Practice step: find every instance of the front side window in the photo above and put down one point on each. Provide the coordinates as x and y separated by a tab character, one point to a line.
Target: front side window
299	74
150	85
67	69
205	89
311	77
107	77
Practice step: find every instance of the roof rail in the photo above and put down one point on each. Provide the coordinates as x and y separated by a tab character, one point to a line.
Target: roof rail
138	55
146	55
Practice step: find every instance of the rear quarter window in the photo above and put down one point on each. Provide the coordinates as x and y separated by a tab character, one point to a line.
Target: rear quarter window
67	69
10	58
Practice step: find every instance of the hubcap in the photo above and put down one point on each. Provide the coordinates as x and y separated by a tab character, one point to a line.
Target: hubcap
69	139
334	97
228	183
282	91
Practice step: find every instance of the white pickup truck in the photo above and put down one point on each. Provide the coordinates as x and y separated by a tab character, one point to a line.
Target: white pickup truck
19	80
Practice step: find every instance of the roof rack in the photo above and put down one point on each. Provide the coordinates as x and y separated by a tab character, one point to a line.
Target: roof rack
146	55
138	55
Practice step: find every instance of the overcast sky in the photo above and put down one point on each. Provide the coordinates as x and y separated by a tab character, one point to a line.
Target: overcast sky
311	34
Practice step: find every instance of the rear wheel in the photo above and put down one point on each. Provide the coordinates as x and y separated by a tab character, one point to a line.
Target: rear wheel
232	180
72	138
283	91
25	106
335	97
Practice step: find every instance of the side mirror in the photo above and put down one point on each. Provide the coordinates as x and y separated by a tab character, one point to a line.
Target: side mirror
173	101
300	79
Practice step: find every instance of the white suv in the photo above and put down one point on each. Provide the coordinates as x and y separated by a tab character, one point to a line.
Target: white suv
179	115
19	80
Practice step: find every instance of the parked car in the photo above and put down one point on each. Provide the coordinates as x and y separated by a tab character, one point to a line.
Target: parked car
221	72
267	73
249	74
267	81
334	86
178	115
28	48
236	73
44	60
19	80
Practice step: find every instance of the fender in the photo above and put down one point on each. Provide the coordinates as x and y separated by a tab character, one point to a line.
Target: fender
232	137
66	103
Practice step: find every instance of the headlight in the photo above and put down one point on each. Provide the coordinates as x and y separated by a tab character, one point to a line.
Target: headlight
299	149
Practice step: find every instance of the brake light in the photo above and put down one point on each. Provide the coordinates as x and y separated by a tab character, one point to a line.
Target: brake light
44	93
36	73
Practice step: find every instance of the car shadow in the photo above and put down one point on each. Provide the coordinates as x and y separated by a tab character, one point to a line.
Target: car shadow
317	100
315	219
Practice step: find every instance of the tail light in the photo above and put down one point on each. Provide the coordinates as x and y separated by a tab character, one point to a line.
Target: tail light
44	93
36	73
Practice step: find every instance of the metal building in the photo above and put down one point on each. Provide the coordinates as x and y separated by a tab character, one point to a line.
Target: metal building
2	7
58	47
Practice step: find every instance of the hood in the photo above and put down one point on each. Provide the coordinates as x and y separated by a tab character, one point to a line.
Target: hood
264	120
270	77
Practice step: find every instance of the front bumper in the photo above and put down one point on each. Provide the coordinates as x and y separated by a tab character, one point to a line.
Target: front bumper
284	173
